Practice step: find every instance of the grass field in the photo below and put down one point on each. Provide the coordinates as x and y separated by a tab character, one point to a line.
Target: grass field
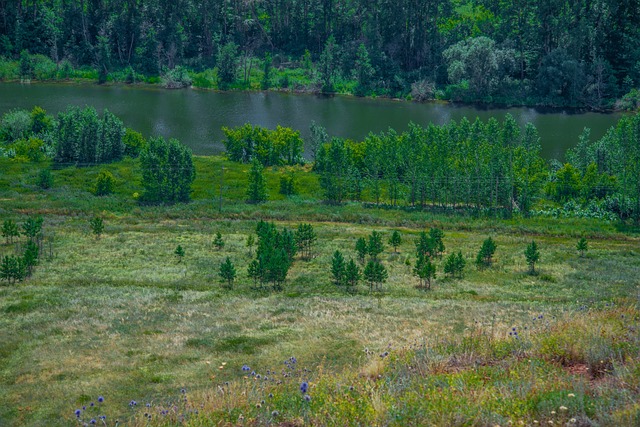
119	317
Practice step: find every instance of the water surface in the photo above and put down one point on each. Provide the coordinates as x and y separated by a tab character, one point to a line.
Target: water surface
196	117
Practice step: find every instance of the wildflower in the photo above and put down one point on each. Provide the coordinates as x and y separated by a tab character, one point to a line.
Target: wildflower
571	395
183	391
258	376
100	399
513	329
553	412
258	405
103	417
563	408
253	373
304	387
148	405
133	403
307	397
573	421
93	421
84	408
78	412
275	414
91	404
293	360
246	368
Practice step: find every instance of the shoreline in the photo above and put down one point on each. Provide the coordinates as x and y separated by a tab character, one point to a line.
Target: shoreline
542	109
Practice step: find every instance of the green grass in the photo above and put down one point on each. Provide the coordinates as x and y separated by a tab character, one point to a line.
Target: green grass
119	317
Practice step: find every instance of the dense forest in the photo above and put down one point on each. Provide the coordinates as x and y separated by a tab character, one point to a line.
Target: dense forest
583	53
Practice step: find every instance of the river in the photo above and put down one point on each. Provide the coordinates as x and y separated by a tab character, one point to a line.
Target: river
195	117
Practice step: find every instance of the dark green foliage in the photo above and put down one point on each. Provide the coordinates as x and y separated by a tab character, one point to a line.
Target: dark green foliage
338	269
364	71
287	185
105	182
361	249
226	63
375	246
485	255
217	241
454	265
305	238
425	271
395	240
266	76
282	146
251	241
375	274
12	269
167	171
328	66
176	78
352	275
179	253
257	188
26	65
532	255
45	179
582	246
436	235
40	121
274	256
97	226
32	228
227	272
10	230
30	257
83	137
339	177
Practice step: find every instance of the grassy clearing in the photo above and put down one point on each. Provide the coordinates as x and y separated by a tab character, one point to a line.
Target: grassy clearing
119	317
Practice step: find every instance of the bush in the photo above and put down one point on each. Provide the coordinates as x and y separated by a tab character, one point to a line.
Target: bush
45	179
176	78
133	142
282	146
15	125
105	182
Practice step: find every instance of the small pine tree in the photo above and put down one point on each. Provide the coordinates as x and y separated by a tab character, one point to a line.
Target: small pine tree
361	249
375	246
305	238
395	240
436	235
105	182
251	241
288	185
30	257
32	228
227	272
218	242
10	230
45	179
97	226
532	255
179	253
460	264
485	255
254	272
12	269
454	265
257	189
338	268
425	271
582	246
352	275
376	274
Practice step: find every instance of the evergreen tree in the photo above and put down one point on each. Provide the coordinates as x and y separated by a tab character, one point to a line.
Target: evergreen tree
361	249
352	275
485	255
532	255
179	253
287	185
217	241
255	272
257	189
375	246
375	274
45	179
395	240
12	269
226	63
10	230
32	228
338	269
582	246
425	271
305	238
227	272
97	226
250	242
454	265
436	235
30	257
266	76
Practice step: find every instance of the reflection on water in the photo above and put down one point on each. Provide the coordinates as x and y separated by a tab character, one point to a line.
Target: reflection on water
196	117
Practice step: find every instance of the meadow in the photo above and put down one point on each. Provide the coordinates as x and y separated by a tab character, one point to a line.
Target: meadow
120	317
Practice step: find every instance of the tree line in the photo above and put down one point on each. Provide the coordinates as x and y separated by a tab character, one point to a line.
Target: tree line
566	52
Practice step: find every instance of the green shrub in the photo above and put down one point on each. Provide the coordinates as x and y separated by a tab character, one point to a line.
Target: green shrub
105	182
45	179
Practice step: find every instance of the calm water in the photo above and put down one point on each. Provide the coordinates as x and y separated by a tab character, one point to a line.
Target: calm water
196	117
